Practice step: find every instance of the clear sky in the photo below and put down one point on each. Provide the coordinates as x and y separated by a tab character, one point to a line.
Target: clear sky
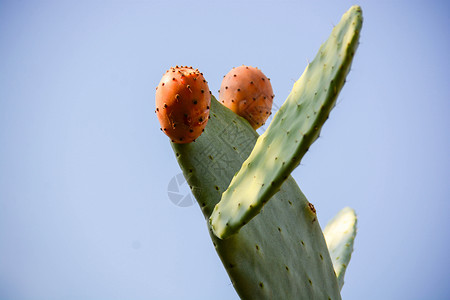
84	169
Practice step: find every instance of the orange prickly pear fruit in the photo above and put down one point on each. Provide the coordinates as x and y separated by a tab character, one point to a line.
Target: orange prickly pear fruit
248	92
182	104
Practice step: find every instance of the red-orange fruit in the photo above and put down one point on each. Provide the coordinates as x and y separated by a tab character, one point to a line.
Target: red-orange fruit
248	92
182	104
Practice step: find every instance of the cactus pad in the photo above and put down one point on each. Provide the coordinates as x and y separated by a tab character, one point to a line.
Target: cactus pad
340	234
294	128
282	253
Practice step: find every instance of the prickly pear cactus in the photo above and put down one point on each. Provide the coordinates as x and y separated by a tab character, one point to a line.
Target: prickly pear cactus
279	251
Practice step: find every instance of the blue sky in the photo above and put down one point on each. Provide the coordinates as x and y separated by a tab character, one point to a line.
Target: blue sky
84	169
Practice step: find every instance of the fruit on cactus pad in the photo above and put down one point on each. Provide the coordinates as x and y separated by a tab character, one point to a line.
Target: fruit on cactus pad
182	104
248	92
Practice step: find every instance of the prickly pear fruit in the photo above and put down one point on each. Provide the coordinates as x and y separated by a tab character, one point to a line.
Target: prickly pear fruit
248	92
182	104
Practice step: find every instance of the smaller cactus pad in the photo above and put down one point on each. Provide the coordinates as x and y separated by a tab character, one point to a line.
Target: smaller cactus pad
340	234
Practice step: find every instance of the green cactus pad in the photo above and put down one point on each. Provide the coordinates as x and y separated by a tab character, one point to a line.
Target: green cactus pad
294	128
340	235
282	253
